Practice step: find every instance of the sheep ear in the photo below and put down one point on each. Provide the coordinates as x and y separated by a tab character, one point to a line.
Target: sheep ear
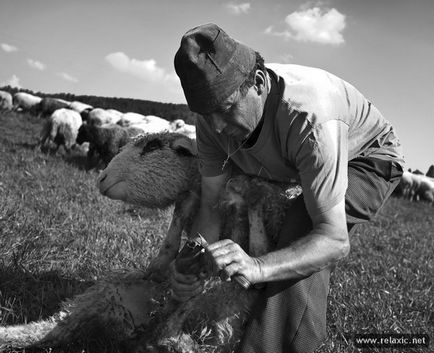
184	145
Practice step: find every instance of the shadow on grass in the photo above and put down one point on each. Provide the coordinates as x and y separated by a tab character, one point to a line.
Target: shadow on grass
26	297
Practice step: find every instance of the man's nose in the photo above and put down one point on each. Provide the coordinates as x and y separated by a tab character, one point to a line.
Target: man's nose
218	123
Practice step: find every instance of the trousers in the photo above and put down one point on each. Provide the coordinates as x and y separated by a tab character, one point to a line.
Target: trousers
290	316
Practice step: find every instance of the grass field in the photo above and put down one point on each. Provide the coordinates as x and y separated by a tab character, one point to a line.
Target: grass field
58	235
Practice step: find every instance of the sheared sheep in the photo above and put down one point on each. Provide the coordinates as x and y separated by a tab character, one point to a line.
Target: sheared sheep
157	170
61	128
104	140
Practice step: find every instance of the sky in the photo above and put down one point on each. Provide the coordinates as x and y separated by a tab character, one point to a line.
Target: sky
125	48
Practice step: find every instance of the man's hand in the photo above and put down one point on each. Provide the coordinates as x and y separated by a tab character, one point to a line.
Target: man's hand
184	286
230	259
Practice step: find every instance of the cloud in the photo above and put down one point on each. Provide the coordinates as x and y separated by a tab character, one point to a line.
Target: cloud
238	9
14	81
36	64
8	48
313	25
144	69
67	77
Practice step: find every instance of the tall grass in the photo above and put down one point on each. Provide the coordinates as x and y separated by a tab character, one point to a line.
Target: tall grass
58	235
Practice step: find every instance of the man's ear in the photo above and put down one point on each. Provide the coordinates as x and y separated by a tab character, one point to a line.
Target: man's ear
260	79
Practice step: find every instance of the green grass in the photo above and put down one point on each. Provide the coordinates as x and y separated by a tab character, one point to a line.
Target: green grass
58	235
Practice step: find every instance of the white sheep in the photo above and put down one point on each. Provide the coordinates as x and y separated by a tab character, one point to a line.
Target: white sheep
25	102
5	101
99	116
132	118
61	128
79	107
158	170
180	126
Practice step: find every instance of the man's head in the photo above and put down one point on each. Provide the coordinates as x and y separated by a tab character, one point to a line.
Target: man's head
223	79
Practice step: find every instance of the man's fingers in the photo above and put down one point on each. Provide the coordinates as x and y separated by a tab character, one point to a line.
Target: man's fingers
220	245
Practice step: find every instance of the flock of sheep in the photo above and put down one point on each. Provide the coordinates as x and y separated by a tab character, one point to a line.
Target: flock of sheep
105	130
415	186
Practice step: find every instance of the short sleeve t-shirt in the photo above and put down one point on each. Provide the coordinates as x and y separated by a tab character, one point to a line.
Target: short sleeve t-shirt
313	124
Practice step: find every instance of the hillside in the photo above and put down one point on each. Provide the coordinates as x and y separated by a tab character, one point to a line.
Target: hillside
168	111
58	235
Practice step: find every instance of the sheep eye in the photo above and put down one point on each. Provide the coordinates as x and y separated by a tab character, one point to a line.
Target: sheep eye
151	146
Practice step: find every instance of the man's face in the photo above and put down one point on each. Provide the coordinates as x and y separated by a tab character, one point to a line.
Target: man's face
239	115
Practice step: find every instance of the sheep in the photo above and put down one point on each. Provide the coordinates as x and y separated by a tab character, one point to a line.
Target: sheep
99	116
26	102
149	123
425	191
48	106
80	107
132	118
104	140
179	125
158	170
5	101
61	128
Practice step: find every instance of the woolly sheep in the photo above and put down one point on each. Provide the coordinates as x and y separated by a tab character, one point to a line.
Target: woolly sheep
5	101
26	102
61	128
132	118
158	170
104	140
426	189
179	125
149	123
79	107
99	116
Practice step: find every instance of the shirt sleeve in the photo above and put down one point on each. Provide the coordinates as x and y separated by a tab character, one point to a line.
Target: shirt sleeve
322	162
211	155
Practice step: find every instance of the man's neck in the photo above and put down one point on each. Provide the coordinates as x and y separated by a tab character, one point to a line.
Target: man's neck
253	137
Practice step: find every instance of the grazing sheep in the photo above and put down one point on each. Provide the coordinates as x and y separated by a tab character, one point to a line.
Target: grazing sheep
179	125
99	116
26	102
5	101
104	140
156	171
48	106
61	128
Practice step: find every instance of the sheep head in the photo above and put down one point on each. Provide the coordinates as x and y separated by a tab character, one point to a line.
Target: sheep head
152	170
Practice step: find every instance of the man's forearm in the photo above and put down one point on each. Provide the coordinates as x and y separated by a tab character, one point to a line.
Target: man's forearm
309	254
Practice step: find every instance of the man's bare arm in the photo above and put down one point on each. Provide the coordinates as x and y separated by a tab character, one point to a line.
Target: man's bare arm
325	244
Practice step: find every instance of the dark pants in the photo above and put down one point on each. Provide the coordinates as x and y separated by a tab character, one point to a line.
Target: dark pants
290	316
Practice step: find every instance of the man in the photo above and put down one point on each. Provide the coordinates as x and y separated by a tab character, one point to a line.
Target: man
284	123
